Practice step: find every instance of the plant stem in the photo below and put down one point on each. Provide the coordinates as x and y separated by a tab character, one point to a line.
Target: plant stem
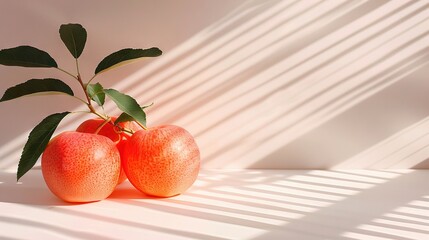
88	103
80	99
106	118
88	100
127	130
90	80
77	68
102	125
54	93
64	71
81	112
86	94
79	79
141	125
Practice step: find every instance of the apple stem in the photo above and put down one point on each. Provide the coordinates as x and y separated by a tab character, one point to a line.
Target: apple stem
102	125
126	130
122	129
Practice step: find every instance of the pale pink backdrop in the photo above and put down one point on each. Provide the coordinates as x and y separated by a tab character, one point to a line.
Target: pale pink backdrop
260	84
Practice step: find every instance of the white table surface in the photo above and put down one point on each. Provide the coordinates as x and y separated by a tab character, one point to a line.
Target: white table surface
226	204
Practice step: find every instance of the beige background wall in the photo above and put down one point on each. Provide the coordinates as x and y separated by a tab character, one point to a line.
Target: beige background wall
260	84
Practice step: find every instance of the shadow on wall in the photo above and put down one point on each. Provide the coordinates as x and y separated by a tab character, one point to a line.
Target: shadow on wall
25	113
352	140
423	164
295	84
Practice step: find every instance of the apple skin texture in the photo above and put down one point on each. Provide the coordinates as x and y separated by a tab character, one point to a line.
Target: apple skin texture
163	161
81	167
91	126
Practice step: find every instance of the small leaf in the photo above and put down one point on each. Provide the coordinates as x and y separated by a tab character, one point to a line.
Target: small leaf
125	56
37	141
74	37
127	118
127	104
96	93
26	56
36	86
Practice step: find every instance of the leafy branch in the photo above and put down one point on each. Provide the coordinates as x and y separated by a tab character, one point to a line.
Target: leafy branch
74	37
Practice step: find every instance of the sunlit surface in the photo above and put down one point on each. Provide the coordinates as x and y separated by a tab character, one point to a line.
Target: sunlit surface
409	222
231	204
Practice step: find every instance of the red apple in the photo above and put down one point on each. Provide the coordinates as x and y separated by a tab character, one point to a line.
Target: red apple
81	167
162	161
108	130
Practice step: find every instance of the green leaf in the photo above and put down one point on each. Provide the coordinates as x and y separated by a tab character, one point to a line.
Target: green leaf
127	104
96	93
74	37
26	56
125	56
37	141
36	86
127	118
